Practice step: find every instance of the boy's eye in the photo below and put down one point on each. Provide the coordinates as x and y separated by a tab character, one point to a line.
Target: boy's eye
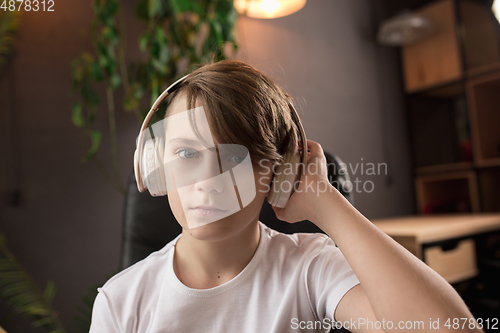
237	159
186	153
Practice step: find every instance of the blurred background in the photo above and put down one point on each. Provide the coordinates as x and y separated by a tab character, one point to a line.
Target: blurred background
364	78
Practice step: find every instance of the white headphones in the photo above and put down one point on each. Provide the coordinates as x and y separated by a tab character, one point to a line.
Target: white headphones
150	173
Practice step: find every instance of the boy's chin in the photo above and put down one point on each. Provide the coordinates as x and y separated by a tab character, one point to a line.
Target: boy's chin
213	231
217	230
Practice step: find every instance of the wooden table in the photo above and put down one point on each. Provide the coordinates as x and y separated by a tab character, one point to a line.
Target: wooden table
446	242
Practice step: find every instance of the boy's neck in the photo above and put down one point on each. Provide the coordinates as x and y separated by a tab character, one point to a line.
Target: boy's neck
201	264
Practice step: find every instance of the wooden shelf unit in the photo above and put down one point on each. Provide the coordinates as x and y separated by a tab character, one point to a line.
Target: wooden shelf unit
452	82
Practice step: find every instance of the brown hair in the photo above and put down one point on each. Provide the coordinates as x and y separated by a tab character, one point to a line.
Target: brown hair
244	107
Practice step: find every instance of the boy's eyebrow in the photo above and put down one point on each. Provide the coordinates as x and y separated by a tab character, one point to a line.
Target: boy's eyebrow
185	141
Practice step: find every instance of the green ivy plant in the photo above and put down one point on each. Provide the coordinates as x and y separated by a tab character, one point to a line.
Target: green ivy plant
22	294
9	23
179	35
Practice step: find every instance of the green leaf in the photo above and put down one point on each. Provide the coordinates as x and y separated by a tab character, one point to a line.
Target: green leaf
161	38
197	8
77	115
38	309
15	288
154	7
42	322
110	34
164	55
218	31
226	15
9	23
95	138
141	10
225	11
159	66
112	7
5	265
89	96
143	41
133	97
181	6
50	292
101	47
96	71
103	61
11	274
77	72
105	8
115	81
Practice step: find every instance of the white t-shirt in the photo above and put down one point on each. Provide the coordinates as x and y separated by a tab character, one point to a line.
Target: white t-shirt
291	282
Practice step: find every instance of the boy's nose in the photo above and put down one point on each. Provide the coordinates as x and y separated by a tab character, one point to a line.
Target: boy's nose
210	184
209	171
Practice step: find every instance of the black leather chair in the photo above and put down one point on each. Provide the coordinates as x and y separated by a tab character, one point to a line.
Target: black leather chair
149	224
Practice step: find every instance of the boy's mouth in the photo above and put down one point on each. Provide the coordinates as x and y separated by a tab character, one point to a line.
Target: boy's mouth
207	211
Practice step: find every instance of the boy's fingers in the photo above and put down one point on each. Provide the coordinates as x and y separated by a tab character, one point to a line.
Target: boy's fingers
315	148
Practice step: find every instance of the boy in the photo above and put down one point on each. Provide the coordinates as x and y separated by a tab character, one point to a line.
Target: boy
227	271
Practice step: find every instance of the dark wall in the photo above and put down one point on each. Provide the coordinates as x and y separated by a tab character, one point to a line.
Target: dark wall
395	6
67	224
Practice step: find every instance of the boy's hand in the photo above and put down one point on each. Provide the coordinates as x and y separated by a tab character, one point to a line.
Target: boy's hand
304	203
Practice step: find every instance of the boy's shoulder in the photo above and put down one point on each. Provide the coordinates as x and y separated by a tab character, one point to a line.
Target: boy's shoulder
143	273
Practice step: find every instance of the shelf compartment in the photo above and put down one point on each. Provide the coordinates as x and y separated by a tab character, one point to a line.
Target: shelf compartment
483	94
436	59
440	128
447	193
481	37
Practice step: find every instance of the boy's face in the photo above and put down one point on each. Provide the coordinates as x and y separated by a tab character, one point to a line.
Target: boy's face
214	190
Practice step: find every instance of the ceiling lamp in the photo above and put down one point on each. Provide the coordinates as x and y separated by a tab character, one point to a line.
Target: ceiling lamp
267	9
404	29
496	9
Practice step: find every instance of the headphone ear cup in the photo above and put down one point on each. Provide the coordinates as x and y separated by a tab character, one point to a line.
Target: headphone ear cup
153	175
283	182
